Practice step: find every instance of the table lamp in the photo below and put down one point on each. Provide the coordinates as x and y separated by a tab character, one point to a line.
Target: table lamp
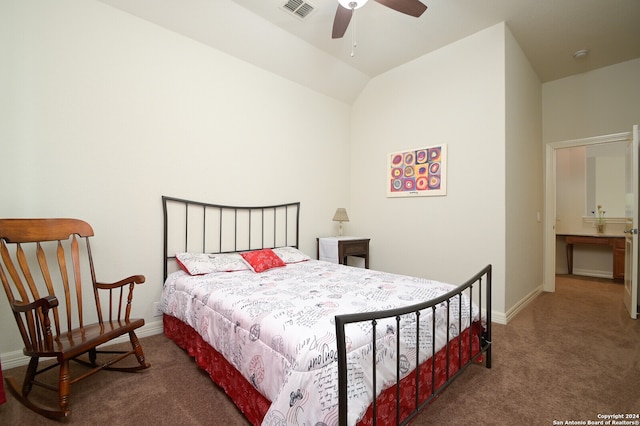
340	216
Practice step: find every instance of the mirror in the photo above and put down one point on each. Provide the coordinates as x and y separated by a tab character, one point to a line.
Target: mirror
605	178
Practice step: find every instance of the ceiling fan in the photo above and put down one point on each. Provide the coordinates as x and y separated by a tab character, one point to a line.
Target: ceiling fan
347	7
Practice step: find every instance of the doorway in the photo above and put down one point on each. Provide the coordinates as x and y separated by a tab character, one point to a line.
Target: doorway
549	237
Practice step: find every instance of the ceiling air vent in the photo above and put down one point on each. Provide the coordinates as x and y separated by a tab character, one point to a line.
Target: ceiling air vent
299	8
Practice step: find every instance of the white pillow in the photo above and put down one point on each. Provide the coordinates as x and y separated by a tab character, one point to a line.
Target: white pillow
203	263
290	254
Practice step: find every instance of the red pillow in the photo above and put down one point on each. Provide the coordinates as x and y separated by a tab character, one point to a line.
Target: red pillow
262	260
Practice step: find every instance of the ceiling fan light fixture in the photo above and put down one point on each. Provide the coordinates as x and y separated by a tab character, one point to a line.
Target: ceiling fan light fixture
352	4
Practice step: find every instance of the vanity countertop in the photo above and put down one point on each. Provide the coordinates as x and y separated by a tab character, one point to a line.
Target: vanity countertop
584	234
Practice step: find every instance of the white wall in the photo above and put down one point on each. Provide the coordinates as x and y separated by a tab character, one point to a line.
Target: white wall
524	182
102	113
453	96
601	102
597	103
574	181
571	178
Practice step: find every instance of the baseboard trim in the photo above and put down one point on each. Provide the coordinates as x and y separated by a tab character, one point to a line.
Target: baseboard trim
511	313
498	318
17	358
593	273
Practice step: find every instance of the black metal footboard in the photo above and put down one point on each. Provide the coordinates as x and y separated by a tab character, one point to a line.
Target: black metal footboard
478	291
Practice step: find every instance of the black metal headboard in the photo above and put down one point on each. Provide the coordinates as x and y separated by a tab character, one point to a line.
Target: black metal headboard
213	228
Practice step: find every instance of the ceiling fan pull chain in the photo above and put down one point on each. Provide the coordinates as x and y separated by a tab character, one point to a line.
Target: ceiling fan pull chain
354	44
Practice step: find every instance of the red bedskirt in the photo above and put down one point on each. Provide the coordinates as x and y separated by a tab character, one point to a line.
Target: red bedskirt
254	405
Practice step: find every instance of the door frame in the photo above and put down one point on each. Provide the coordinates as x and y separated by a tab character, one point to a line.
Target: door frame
549	228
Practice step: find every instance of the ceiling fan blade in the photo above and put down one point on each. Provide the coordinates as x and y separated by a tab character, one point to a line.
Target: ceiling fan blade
341	21
408	7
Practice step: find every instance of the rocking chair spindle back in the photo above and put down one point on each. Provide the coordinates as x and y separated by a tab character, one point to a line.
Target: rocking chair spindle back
42	265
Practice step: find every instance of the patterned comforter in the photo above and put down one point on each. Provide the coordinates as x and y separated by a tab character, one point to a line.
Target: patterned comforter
277	328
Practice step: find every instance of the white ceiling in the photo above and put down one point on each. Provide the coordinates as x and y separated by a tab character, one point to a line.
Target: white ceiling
263	33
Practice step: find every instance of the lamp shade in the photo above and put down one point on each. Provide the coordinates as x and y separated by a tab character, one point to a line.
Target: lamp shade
341	215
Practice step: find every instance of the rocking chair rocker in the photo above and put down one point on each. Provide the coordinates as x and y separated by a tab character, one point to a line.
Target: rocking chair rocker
47	305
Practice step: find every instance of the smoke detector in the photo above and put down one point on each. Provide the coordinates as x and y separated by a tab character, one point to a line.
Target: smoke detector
580	53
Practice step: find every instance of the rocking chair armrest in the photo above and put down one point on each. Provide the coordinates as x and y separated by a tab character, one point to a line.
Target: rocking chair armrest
134	279
47	302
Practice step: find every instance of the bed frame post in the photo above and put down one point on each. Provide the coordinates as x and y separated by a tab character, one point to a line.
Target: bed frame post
487	334
342	370
166	229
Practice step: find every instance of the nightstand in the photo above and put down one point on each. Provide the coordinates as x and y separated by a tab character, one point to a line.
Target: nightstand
336	249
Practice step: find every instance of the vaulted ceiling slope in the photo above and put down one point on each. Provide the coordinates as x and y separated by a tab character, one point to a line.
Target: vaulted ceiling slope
266	34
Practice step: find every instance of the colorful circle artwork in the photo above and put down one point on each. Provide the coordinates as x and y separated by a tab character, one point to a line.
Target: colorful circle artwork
409	158
417	172
434	154
408	171
422	156
434	182
422	183
409	184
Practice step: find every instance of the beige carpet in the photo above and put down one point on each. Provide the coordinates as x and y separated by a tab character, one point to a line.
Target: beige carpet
569	355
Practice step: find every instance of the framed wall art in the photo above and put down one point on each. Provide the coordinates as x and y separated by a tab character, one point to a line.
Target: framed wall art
418	172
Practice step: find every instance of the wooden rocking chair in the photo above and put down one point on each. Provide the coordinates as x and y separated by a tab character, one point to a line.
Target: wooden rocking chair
47	299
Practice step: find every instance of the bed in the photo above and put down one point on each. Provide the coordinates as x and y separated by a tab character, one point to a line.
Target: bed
293	340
